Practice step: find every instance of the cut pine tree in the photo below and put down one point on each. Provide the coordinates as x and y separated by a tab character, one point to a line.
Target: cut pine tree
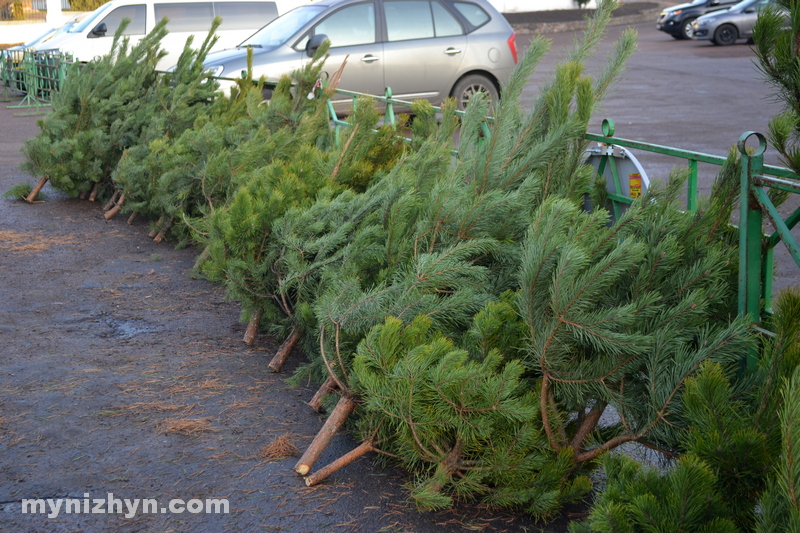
326	388
35	192
112	201
157	226
163	233
312	454
252	328
341	462
283	352
115	209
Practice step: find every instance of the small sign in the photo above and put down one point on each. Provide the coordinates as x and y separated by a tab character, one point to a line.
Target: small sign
635	185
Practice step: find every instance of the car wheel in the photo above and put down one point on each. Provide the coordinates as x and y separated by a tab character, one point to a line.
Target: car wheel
686	28
474	83
725	35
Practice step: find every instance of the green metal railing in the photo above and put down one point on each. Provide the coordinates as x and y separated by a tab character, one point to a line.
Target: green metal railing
37	74
756	249
11	72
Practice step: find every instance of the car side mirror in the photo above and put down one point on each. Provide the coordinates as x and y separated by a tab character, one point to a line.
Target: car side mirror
750	10
99	30
314	43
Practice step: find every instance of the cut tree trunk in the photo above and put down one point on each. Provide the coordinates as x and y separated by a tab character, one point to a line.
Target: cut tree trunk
283	352
326	433
94	193
35	192
164	230
339	463
326	388
132	218
252	327
158	225
112	201
114	210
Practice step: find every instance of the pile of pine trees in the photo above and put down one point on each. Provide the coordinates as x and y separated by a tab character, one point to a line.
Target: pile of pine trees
468	316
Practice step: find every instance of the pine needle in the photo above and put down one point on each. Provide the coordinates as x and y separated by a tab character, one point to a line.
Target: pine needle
280	448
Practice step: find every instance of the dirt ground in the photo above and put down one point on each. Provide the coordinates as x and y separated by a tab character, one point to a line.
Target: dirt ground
122	374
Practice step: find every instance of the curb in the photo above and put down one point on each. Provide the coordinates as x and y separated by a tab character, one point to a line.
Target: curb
649	15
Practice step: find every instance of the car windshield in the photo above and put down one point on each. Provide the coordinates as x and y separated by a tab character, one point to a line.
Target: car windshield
70	24
282	28
38	39
93	16
750	3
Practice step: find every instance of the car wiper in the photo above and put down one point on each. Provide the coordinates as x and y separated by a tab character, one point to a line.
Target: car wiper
249	46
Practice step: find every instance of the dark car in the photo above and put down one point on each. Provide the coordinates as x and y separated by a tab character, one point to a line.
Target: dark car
677	20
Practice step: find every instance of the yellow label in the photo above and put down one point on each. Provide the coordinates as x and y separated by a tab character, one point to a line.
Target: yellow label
635	185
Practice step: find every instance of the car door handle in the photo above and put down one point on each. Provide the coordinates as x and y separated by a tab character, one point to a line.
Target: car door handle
452	51
369	58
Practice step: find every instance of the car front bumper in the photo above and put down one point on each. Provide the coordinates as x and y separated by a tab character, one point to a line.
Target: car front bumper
701	33
669	26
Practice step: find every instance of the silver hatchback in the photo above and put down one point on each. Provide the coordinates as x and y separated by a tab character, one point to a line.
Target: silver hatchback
726	27
421	49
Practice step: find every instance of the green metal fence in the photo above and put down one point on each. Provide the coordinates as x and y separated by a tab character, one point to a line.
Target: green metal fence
37	74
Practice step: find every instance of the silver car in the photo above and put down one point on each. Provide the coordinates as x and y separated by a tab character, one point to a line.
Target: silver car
726	27
427	49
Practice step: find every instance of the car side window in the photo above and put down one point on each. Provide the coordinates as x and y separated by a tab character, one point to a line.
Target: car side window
135	13
419	19
350	26
240	15
446	25
195	16
473	13
408	20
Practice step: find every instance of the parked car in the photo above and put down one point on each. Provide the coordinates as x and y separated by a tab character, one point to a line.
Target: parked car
677	20
421	49
92	36
726	27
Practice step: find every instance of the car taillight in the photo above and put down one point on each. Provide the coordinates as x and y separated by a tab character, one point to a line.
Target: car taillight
512	45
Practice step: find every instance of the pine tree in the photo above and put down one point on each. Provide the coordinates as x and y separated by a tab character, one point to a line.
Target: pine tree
639	500
620	317
465	224
739	436
284	168
774	37
464	427
174	104
97	114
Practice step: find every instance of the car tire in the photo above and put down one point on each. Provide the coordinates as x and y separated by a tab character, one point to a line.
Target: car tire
725	35
474	83
686	28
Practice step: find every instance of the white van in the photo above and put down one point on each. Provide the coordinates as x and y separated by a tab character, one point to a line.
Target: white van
92	36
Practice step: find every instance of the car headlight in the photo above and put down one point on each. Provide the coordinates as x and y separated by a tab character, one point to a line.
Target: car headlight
676	13
215	71
700	23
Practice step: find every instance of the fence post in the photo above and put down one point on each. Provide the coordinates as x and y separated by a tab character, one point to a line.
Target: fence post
691	193
750	235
